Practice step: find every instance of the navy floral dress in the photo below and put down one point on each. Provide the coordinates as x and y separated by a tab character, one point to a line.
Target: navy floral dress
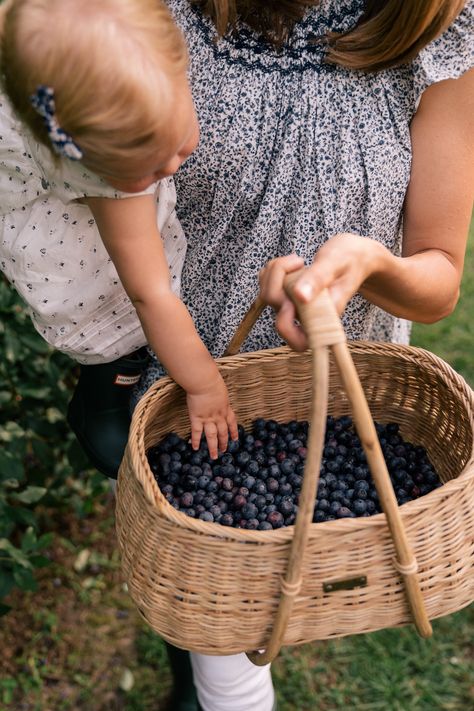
293	151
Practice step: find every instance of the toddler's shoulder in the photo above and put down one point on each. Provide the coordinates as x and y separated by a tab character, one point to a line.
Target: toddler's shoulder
21	178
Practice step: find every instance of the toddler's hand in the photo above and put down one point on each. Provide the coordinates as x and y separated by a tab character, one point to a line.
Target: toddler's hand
210	412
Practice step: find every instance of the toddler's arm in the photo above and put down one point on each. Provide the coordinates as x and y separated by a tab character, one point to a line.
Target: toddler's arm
129	231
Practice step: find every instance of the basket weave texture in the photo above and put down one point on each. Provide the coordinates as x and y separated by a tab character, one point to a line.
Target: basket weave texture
216	590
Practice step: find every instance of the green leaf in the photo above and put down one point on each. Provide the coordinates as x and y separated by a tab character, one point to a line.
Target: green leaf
5	396
44	541
35	393
35	343
10	468
29	540
6	582
53	415
10	431
25	580
15	553
12	346
39	561
31	495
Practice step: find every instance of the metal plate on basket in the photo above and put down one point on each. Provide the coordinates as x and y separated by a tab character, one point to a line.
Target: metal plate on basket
347	584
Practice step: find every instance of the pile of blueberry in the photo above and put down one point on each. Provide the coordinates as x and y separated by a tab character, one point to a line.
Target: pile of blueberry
256	483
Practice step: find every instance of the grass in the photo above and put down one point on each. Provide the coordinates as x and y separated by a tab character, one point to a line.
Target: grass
78	643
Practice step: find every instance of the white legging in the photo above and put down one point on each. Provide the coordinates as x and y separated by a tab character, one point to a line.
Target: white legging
232	683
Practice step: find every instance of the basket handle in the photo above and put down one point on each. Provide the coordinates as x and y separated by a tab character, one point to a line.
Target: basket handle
245	326
323	328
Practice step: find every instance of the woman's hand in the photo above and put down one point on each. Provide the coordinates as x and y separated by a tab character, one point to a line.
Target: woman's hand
342	265
210	412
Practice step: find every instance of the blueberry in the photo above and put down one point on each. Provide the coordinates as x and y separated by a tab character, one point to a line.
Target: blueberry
274	471
252	524
232	448
265	526
286	506
206	516
344	512
272	485
239	501
276	519
203	481
186	500
216	512
285	489
252	468
334	506
287	467
359	507
332	466
249	482
370	506
242	458
228	471
249	511
329	452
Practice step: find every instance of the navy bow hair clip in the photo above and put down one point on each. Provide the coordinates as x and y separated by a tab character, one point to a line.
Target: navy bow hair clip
43	102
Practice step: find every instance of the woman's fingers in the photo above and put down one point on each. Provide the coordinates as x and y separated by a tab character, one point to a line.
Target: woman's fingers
272	276
290	331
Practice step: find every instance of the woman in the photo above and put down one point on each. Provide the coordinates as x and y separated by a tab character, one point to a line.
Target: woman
321	119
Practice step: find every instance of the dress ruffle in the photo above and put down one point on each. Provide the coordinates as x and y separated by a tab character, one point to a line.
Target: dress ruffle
447	57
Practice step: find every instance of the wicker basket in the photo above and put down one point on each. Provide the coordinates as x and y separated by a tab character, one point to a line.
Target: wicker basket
219	590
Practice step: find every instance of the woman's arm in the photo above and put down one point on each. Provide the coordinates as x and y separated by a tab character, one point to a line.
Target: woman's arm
423	284
129	231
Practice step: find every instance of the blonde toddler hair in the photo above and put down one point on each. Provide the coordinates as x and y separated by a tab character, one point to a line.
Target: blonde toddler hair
112	64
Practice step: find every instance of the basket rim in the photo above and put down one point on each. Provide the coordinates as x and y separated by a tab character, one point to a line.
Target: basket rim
163	508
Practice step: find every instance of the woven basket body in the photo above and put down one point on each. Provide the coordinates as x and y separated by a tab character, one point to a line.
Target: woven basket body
215	590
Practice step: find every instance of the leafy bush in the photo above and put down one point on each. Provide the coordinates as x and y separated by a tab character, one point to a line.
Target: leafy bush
38	454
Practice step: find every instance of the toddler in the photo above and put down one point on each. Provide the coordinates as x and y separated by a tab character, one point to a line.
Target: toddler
95	116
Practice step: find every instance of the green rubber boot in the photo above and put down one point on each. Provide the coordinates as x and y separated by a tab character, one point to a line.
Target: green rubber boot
99	411
183	696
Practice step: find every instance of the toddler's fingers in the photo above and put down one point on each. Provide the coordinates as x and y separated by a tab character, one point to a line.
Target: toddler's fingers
232	425
196	433
222	435
210	430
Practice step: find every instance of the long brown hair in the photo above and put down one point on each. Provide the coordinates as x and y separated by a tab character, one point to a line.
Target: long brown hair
389	32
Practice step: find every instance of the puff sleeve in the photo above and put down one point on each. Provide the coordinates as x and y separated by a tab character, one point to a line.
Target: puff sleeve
448	56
